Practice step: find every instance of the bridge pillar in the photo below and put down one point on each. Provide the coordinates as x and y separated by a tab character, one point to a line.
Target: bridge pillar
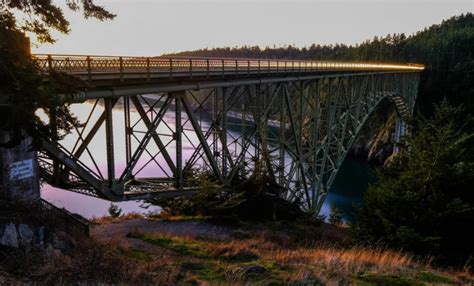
109	141
178	137
400	130
19	175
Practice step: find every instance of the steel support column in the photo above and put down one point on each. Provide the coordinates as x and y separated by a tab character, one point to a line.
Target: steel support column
178	139
109	141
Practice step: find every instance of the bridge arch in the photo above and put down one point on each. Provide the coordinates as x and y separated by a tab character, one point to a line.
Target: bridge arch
324	118
402	110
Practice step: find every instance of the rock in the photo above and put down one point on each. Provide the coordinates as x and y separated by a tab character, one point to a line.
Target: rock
56	242
50	251
40	236
307	278
26	234
61	244
9	236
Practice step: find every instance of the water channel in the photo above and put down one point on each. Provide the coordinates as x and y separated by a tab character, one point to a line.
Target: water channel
347	189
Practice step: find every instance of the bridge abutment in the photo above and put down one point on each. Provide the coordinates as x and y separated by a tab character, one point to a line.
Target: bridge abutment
19	172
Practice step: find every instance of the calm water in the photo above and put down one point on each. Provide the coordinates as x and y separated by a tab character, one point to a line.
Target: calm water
347	189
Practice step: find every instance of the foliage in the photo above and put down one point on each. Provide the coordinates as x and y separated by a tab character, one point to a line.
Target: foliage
89	263
23	89
253	199
42	16
171	256
424	201
445	49
114	210
335	215
446	46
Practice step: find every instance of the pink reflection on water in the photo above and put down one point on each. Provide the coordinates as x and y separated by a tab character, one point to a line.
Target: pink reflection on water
156	167
90	207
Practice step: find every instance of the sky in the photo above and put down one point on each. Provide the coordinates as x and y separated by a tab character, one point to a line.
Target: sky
154	27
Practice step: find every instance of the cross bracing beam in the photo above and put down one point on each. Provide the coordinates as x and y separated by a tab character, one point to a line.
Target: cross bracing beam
296	129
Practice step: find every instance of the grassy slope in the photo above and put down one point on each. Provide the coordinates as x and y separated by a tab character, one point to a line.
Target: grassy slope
298	253
280	255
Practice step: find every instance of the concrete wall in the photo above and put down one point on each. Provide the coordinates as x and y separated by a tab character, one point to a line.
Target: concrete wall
19	173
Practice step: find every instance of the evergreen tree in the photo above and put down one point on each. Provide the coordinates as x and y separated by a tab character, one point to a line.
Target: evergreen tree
424	202
22	88
335	215
114	210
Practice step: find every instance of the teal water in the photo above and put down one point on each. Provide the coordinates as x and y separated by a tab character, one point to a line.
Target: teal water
349	187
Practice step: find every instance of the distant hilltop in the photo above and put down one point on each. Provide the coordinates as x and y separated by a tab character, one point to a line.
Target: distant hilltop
445	46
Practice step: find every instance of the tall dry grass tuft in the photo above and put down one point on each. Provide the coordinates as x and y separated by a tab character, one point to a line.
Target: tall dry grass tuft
232	251
110	219
348	260
94	263
91	263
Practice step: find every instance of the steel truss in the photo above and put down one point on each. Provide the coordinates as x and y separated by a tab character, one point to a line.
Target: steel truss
298	132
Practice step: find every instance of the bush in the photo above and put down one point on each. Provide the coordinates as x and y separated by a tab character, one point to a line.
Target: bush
335	216
114	210
253	199
424	202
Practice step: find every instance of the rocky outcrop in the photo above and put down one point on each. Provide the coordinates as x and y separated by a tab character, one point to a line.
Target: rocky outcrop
18	235
26	237
25	234
375	143
380	146
9	235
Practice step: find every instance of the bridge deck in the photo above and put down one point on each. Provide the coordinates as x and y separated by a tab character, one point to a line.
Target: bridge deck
106	70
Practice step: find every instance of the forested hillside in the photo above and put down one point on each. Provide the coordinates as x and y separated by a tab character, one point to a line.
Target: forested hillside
443	47
446	49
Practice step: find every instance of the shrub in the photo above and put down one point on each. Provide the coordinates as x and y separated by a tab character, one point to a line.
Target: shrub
424	202
114	210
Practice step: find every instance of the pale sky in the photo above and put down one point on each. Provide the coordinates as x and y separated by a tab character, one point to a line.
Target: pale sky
148	28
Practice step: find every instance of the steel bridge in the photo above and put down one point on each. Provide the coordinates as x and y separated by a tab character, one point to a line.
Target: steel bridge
294	121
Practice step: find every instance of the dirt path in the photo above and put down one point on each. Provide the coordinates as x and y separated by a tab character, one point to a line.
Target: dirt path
118	231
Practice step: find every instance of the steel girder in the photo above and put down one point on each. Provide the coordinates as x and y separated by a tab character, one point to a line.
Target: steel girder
298	132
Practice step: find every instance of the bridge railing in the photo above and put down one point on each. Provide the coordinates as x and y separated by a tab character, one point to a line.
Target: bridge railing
203	66
62	219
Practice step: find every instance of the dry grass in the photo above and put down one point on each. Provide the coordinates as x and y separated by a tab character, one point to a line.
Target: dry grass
110	219
167	259
156	216
190	260
310	262
317	261
169	217
93	263
463	275
348	260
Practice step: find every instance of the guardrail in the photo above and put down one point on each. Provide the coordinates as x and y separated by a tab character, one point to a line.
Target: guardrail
62	219
203	66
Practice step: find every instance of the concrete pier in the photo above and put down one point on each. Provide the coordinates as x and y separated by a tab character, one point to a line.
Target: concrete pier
19	173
